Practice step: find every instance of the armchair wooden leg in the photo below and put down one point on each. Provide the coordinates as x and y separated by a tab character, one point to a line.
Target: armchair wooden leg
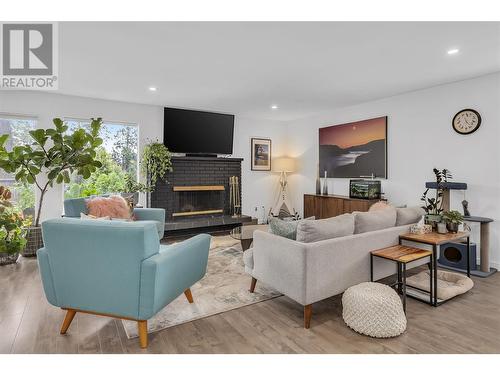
70	314
307	316
252	285
142	326
188	295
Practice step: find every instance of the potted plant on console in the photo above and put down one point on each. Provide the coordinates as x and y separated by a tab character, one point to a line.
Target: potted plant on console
453	219
433	206
51	158
12	232
156	161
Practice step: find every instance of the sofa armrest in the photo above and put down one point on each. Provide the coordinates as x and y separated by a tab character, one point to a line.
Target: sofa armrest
164	276
46	275
156	214
153	214
280	263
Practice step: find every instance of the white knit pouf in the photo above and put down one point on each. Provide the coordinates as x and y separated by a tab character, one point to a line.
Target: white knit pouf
374	310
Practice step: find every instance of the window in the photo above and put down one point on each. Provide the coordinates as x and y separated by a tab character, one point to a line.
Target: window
118	154
18	128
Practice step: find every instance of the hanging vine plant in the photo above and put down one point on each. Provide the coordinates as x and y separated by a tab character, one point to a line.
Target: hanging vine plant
155	163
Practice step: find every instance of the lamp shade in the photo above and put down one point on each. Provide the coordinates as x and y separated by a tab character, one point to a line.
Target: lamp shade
284	164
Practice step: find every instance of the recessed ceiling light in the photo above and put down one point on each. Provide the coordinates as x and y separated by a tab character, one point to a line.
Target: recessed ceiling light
152	88
453	51
274	106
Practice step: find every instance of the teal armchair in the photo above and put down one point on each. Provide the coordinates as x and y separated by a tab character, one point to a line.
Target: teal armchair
73	207
116	269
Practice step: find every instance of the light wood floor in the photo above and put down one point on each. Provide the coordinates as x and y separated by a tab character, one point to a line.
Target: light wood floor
28	324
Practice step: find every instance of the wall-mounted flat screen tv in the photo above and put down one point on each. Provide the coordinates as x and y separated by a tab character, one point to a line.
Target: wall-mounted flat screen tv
197	132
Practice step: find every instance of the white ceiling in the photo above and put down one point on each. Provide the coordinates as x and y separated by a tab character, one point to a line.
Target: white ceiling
243	68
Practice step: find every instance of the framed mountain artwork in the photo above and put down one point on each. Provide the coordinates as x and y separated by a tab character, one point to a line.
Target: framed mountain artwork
355	149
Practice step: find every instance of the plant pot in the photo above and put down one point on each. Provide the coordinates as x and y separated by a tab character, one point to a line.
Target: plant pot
35	241
433	219
8	258
452	227
441	228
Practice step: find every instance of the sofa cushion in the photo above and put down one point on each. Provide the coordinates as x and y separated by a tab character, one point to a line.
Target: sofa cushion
318	230
408	215
375	220
285	228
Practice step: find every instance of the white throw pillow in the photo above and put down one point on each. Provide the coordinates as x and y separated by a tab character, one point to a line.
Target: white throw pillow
92	217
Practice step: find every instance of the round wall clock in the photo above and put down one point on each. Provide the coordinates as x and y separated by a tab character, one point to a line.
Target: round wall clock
466	121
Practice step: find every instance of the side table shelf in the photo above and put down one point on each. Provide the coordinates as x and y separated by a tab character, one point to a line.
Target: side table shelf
435	239
403	255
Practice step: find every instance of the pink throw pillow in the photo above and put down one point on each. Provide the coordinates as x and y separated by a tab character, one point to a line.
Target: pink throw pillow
114	207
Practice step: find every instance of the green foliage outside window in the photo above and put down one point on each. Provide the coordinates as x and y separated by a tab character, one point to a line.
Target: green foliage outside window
118	156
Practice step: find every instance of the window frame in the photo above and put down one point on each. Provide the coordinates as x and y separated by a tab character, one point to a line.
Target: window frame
110	122
36	120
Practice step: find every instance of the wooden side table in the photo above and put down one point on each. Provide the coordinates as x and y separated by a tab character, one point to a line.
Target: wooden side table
402	255
435	239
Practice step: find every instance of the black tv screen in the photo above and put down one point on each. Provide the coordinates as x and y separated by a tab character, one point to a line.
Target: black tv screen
196	132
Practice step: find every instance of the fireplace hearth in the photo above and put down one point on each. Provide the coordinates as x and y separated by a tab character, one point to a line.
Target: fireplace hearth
196	196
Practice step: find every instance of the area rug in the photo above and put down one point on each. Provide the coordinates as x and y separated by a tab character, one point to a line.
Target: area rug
224	287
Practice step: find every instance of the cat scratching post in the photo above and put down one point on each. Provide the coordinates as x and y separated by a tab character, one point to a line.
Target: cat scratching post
485	270
484	267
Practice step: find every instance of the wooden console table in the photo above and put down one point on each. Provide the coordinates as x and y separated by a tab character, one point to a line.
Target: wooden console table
325	206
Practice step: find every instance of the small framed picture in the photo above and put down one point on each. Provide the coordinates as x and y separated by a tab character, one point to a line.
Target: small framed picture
261	154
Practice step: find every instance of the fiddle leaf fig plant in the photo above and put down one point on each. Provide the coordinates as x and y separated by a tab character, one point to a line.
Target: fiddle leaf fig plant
52	157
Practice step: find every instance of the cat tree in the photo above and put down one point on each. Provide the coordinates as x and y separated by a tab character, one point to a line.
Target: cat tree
484	267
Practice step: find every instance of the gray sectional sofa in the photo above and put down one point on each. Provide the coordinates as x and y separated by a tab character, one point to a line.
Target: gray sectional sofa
331	256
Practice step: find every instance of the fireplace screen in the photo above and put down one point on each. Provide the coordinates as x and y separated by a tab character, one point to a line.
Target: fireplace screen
198	200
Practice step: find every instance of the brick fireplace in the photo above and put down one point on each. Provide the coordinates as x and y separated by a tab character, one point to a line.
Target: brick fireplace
196	195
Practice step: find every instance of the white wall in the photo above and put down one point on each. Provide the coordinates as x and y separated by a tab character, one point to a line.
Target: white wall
257	186
420	137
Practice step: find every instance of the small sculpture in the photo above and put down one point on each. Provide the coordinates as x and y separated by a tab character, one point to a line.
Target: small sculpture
465	205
